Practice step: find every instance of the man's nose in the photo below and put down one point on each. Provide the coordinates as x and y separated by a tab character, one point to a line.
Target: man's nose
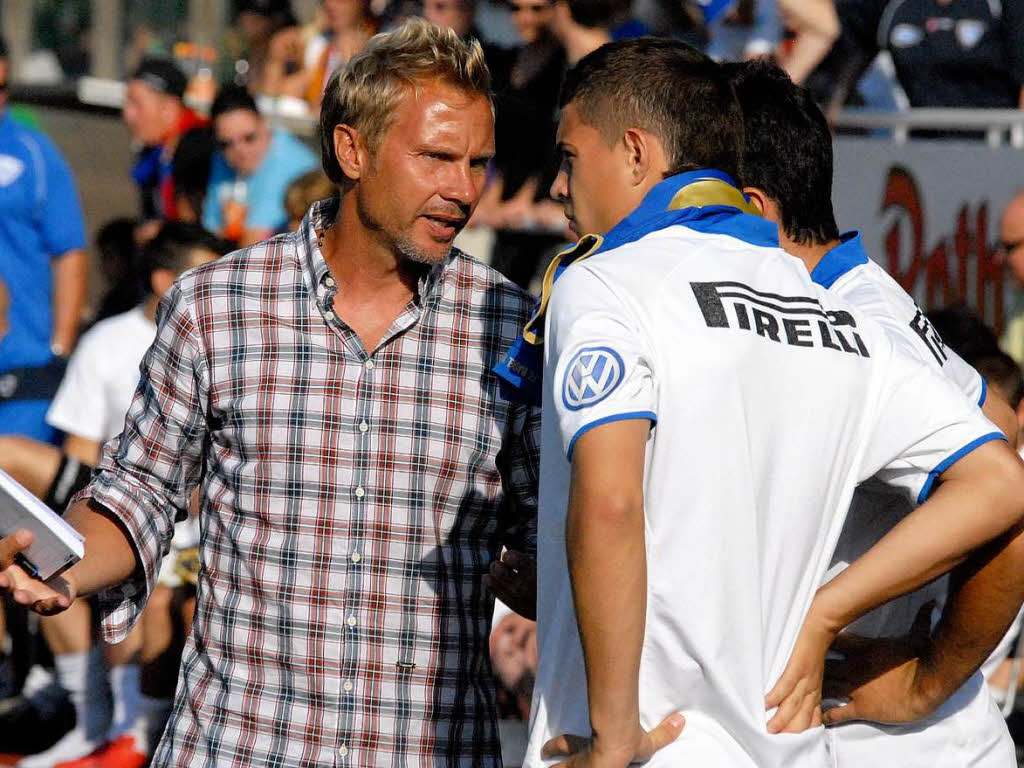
461	184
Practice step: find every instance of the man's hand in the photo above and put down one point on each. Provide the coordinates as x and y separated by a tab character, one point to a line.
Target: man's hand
881	677
593	753
797	694
45	598
513	580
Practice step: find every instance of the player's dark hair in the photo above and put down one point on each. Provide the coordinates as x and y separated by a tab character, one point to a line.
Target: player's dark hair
787	151
172	248
667	88
964	332
232	97
1002	372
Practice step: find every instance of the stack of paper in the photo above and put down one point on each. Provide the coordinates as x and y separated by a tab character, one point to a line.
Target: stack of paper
57	545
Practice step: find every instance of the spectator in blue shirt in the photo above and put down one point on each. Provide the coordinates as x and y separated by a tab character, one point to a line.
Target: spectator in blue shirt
251	170
44	268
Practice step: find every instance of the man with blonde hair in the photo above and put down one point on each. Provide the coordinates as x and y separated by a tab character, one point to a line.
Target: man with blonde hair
330	392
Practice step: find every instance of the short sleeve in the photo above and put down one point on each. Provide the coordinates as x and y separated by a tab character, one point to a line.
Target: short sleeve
602	368
63	226
966	378
79	407
924	425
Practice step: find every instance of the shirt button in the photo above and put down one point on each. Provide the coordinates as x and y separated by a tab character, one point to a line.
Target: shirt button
342	750
356	557
363	426
351	621
360	492
329	316
368	365
329	281
348	686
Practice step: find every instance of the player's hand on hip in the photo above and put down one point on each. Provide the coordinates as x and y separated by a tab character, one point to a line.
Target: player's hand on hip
513	580
797	694
594	753
45	598
880	677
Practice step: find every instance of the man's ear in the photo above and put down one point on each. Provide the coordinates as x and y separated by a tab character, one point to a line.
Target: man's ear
351	150
759	199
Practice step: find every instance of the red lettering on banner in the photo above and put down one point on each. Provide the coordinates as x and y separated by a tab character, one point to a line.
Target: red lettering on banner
969	247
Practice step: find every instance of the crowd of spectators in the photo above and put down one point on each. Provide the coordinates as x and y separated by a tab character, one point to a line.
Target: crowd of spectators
221	174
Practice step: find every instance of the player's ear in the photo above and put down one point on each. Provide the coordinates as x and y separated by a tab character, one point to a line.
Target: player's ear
641	154
758	198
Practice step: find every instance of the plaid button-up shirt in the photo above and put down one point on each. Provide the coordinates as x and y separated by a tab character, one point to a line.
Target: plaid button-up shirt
351	502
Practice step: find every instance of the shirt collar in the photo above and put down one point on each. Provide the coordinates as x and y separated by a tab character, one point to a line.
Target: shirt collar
839	260
319	217
704	200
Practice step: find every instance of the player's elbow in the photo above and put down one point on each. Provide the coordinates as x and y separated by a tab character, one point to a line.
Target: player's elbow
612	510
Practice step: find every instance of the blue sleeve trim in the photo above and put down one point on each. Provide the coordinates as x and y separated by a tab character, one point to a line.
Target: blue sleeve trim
649	415
984	392
949	461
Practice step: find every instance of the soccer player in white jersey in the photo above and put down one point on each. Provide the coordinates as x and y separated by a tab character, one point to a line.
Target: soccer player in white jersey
708	413
788	173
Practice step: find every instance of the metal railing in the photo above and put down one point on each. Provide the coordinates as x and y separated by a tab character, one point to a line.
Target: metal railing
1000	126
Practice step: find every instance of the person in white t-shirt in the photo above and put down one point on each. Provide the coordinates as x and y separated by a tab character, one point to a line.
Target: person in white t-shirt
788	175
708	413
90	408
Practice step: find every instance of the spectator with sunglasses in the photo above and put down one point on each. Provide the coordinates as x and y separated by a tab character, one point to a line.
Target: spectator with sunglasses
251	170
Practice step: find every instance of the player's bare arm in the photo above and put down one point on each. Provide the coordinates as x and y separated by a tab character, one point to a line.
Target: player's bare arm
608	569
899	680
109	559
980	499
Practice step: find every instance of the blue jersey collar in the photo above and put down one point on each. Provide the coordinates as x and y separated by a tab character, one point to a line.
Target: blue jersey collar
678	200
837	262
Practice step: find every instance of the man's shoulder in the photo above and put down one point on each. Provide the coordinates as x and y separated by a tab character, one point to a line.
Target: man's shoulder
34	141
269	262
873	291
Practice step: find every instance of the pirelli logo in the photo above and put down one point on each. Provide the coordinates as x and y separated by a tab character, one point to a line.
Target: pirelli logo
798	321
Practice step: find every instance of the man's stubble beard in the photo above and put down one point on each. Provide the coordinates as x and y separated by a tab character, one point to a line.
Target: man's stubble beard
398	243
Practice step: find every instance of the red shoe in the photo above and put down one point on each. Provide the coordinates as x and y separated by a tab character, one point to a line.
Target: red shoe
119	753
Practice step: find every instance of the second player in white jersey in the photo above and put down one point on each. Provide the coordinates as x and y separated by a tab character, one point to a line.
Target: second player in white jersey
788	170
772	401
967	730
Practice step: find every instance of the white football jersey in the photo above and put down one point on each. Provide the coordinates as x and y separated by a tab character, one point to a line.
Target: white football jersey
770	400
968	730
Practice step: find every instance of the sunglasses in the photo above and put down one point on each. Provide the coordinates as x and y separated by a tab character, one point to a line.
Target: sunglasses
247	138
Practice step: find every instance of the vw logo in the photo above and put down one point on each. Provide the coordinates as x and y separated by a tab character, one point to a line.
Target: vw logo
592	375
